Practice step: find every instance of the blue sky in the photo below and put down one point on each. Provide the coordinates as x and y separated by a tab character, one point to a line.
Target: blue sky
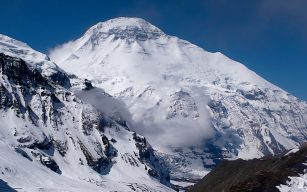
268	36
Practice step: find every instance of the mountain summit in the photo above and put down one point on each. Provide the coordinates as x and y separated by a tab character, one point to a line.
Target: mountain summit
195	107
130	29
125	24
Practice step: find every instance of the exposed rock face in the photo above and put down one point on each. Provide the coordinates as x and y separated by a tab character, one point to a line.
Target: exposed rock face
264	174
146	155
34	60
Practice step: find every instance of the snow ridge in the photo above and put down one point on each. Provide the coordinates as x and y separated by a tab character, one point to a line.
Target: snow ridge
124	23
34	59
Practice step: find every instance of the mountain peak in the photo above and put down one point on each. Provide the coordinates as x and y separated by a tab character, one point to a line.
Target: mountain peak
125	28
124	23
34	59
8	41
15	48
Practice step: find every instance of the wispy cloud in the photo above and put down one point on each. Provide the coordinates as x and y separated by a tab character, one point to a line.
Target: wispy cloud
60	52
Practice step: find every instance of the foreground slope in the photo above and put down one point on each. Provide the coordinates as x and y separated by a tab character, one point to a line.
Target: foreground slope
194	106
51	140
281	173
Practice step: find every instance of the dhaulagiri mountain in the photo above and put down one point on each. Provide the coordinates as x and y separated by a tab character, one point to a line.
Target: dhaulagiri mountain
127	107
194	107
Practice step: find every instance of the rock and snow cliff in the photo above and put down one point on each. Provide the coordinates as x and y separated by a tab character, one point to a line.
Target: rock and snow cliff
52	140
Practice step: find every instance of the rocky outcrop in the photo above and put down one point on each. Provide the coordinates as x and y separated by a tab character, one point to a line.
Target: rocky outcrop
253	175
154	167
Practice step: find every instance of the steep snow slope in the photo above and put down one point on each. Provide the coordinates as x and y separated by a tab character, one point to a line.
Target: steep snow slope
196	107
51	140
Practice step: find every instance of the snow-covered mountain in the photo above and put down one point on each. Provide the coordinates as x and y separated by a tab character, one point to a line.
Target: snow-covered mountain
195	107
52	140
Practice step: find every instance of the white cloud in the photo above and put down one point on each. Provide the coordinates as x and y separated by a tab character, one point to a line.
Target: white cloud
59	52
